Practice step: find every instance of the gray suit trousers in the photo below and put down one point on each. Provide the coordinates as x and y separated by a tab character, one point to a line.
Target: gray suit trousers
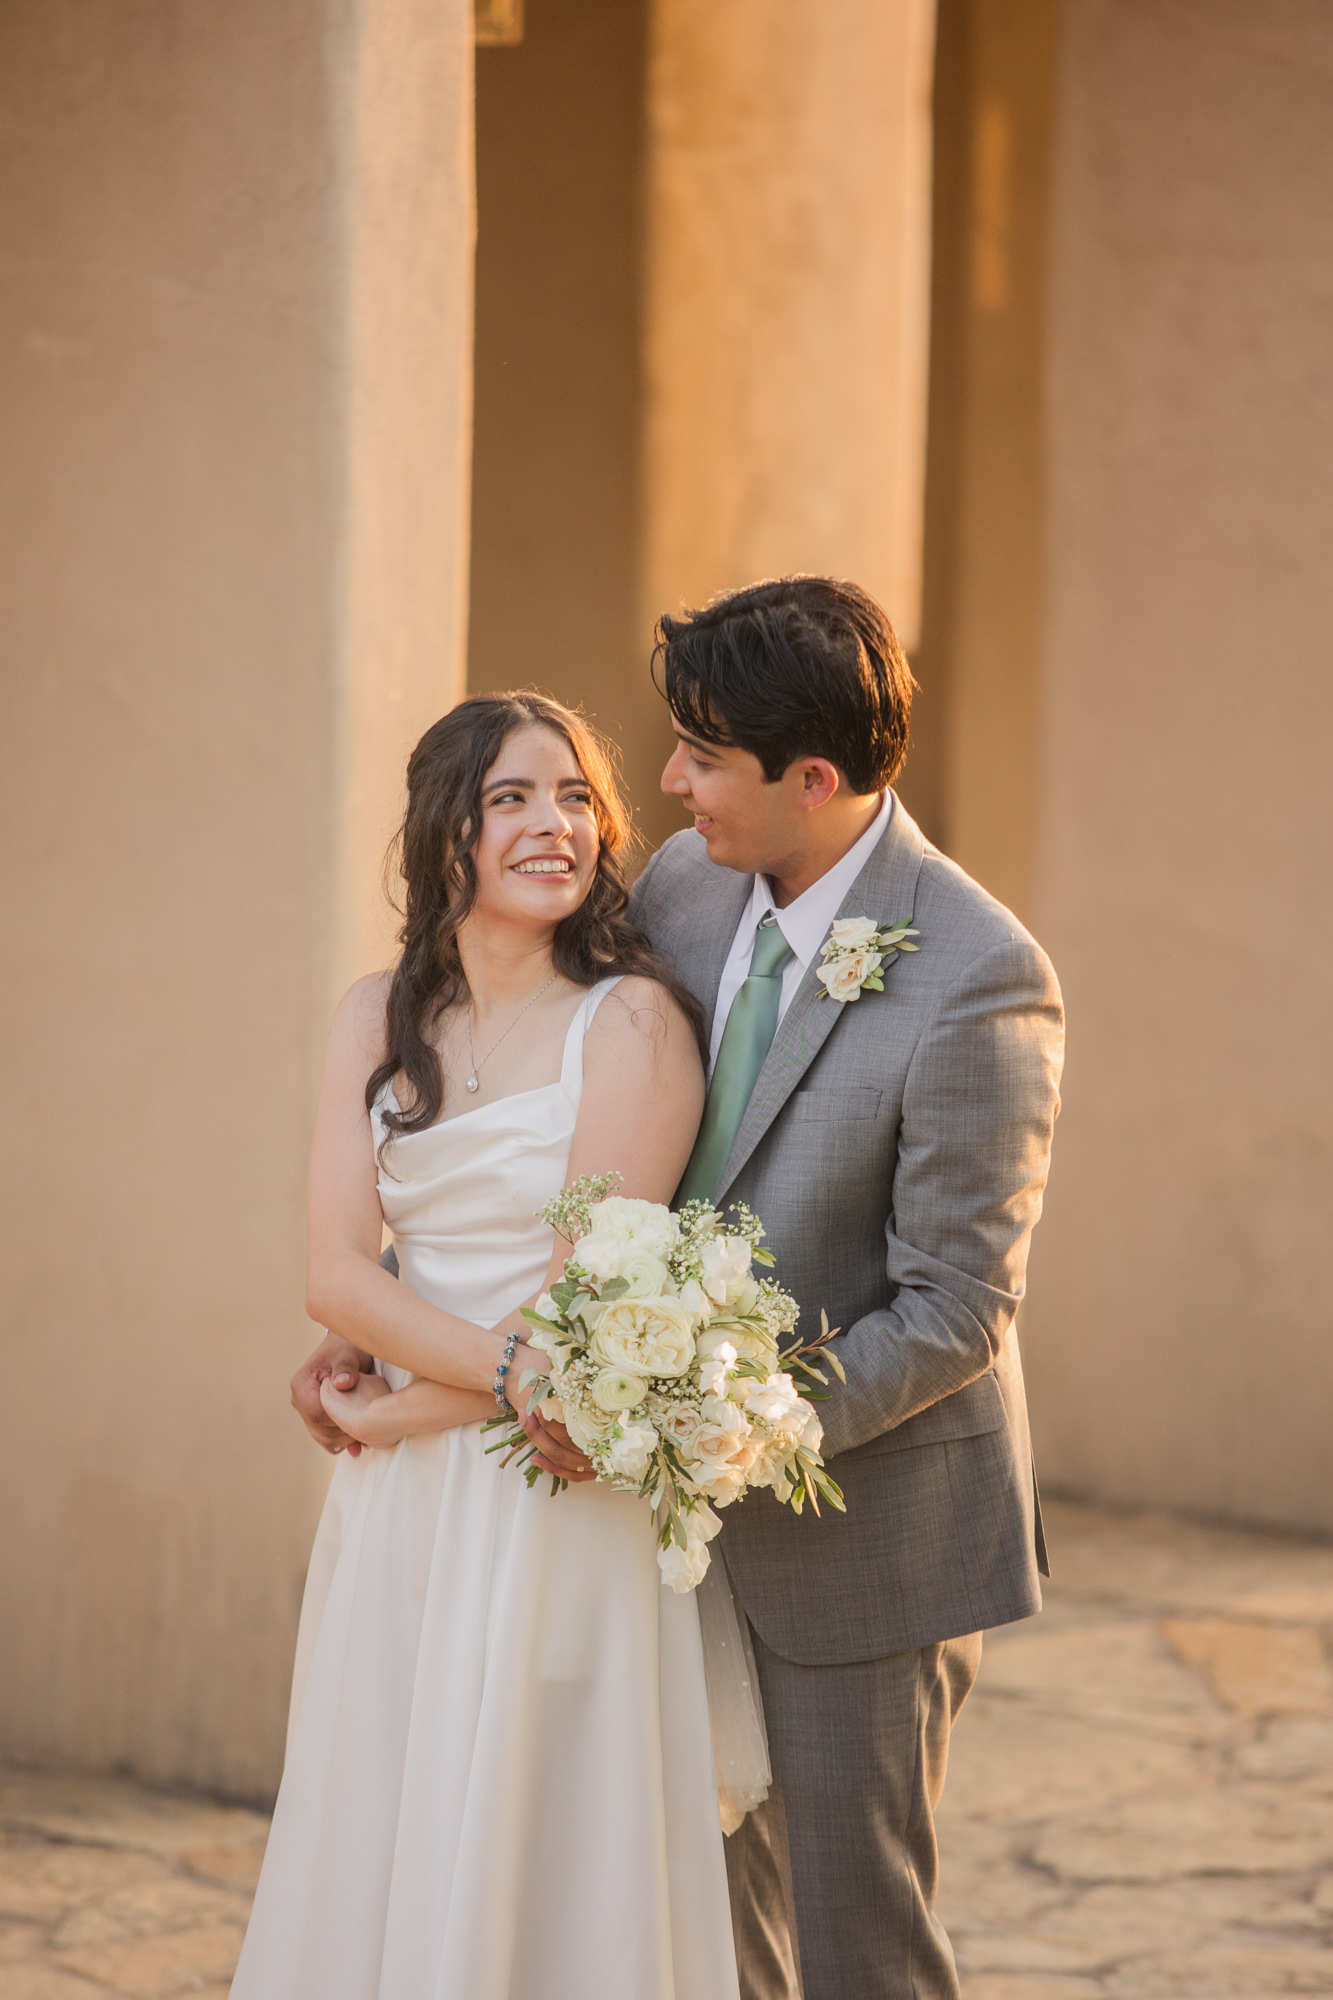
833	1879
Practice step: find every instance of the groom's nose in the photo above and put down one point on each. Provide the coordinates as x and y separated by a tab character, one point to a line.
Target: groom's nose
673	777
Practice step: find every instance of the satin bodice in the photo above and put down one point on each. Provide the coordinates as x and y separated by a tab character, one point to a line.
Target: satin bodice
462	1198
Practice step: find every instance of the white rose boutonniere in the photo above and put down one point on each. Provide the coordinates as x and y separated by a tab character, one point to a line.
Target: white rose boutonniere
855	954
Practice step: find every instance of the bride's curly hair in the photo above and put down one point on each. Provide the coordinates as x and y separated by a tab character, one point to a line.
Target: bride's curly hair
434	849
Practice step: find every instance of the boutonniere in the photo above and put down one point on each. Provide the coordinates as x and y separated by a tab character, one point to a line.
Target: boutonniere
855	953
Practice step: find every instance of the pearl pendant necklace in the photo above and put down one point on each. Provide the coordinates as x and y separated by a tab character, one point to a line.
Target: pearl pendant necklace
473	1083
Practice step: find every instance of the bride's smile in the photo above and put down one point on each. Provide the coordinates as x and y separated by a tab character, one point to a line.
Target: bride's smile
537	852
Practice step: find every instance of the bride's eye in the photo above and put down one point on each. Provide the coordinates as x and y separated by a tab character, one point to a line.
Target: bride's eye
506	799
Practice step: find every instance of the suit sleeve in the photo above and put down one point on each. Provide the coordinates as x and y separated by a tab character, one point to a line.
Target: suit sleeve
978	1110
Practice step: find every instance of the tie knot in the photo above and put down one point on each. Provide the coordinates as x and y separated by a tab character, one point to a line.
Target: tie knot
771	952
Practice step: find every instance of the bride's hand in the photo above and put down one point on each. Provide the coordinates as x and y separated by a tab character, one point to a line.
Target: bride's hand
347	1407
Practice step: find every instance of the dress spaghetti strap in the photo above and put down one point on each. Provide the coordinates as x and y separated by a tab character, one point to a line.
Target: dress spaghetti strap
571	1068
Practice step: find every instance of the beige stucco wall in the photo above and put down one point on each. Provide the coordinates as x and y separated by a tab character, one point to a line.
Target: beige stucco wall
1179	1337
235	249
787	296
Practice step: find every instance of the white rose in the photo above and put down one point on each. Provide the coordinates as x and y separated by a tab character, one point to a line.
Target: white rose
844	977
617	1389
773	1399
853	930
547	1307
680	1423
751	1341
812	1436
722	1483
629	1454
726	1268
717	1410
645	1336
769	1463
722	1436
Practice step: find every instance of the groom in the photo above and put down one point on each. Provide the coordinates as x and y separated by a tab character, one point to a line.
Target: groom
895	1143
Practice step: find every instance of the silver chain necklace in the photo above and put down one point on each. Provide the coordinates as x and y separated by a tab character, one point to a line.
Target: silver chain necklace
474	1082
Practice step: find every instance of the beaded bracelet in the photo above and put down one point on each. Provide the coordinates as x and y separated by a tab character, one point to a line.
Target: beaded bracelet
502	1402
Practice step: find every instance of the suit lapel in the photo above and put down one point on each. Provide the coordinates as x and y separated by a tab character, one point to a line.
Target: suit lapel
886	890
712	926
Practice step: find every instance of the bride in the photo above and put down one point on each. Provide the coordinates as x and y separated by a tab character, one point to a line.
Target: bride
499	1780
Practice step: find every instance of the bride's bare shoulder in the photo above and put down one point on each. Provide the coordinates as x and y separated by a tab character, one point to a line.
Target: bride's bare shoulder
642	1017
358	1030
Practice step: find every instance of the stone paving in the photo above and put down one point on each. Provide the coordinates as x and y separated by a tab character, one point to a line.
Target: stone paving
1140	1795
1140	1804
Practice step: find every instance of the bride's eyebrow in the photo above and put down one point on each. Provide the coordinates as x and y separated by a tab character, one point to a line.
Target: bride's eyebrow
499	784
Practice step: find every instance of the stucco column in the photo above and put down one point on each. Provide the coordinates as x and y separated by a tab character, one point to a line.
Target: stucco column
1179	1335
787	294
236	251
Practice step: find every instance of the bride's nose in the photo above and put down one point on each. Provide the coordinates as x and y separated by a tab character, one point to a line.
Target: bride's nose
551	818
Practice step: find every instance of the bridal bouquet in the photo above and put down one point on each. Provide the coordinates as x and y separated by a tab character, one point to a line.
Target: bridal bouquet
668	1366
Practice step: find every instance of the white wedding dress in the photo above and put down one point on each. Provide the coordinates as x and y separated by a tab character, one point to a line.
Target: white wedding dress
499	1782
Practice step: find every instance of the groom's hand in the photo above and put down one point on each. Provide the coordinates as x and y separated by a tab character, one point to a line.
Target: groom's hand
556	1449
337	1359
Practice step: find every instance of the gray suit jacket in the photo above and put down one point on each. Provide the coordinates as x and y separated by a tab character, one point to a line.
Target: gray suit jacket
896	1150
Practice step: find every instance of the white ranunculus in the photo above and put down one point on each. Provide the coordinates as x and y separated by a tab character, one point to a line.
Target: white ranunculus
715	1367
844	977
773	1399
853	930
646	1275
726	1268
647	1336
618	1389
629	1454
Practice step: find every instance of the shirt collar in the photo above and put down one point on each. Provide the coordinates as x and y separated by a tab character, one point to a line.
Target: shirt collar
805	921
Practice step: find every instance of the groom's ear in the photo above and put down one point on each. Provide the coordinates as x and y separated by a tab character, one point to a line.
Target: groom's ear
816	780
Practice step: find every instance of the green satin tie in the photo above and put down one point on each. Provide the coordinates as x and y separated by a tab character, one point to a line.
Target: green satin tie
746	1040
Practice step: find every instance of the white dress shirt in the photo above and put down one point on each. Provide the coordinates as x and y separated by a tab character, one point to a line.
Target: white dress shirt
804	923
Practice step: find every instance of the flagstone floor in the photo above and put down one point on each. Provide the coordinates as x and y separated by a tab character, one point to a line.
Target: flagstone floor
1140	1797
1140	1804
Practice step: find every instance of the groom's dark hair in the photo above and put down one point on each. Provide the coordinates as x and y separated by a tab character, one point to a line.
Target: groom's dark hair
806	666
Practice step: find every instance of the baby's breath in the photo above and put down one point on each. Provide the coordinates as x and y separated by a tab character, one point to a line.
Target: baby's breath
568	1213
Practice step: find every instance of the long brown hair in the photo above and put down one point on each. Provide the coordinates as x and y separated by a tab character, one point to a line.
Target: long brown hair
435	847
